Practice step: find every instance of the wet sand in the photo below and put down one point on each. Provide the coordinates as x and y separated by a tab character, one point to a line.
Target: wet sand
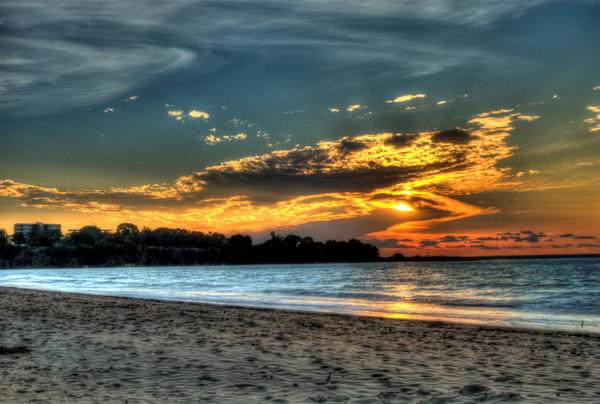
75	348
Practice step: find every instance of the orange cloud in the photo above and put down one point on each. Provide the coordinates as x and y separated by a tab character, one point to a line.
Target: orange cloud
198	114
406	98
343	179
595	120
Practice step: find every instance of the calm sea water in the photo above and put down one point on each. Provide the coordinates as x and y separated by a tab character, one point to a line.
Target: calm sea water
561	294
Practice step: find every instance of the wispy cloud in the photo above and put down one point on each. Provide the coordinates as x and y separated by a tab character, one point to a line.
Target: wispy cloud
180	114
595	121
406	98
59	55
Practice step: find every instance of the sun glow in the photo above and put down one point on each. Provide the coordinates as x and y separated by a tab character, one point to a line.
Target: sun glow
403	207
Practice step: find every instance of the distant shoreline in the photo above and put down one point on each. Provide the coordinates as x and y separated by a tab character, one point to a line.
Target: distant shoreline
490	257
388	259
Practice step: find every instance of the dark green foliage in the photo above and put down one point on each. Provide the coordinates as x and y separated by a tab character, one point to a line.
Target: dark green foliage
128	246
127	229
87	235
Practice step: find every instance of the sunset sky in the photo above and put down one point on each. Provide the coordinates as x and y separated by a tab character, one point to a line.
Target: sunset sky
444	127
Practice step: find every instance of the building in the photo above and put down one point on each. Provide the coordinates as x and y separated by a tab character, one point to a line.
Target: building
25	228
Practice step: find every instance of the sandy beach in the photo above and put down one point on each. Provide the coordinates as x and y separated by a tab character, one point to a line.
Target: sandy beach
58	347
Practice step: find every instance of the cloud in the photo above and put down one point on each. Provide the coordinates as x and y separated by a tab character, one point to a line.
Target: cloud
428	243
503	238
399	141
212	139
350	177
58	56
522	236
405	246
532	238
180	114
452	239
483	247
569	235
342	179
198	114
406	98
454	136
499	120
595	120
47	75
348	146
353	108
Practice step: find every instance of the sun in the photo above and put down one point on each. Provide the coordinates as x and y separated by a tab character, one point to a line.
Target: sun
403	207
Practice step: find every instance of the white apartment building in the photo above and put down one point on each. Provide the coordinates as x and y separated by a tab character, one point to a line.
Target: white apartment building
24	228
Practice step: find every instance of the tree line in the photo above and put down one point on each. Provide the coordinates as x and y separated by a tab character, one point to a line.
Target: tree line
130	246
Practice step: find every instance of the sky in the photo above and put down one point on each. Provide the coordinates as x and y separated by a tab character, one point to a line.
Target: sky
458	127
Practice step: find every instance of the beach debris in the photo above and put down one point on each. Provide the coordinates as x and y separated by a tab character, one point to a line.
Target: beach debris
322	399
472	389
72	395
13	350
386	395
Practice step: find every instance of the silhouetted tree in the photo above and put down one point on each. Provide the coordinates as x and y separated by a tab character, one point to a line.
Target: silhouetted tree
127	229
87	235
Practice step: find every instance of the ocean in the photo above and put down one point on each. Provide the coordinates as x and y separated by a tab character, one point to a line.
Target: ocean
559	294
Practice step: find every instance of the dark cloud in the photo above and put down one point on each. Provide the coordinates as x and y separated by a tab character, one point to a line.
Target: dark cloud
484	247
452	239
588	245
532	238
453	136
523	236
569	235
400	141
428	243
307	171
349	147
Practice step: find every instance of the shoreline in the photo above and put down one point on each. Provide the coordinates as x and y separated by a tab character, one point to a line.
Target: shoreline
395	316
99	347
